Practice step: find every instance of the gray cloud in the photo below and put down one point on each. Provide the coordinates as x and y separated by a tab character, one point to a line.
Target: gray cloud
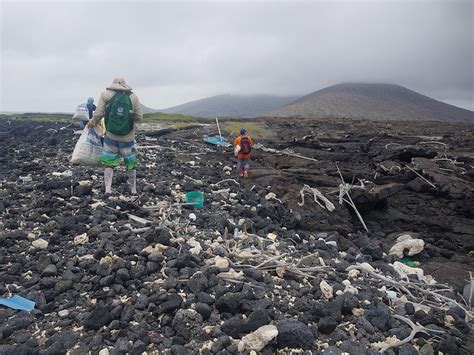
56	54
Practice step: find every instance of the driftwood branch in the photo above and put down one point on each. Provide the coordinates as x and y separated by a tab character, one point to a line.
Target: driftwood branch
421	176
403	285
275	151
390	144
316	194
140	147
226	180
344	190
415	329
365	269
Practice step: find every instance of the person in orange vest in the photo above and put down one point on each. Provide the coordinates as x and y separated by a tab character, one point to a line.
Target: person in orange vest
242	147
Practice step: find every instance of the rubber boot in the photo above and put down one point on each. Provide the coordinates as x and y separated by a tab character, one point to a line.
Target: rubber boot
108	175
132	180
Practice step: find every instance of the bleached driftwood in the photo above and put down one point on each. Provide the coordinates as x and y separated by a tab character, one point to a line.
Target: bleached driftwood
444	298
471	287
366	269
140	147
415	329
275	151
226	180
160	205
389	144
344	190
393	167
140	230
221	191
317	194
139	219
444	145
421	176
199	182
404	285
281	267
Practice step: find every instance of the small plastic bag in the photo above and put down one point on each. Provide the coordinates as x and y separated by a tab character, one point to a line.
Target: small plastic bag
237	150
81	114
88	148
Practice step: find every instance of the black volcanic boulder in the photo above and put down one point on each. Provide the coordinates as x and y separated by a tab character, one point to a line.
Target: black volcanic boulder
294	334
327	325
187	323
99	317
197	283
229	302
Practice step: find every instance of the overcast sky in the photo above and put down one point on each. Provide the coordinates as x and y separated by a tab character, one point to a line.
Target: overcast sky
56	54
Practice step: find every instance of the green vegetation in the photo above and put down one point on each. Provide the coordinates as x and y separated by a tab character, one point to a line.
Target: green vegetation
256	130
40	117
230	125
176	117
175	120
159	116
147	118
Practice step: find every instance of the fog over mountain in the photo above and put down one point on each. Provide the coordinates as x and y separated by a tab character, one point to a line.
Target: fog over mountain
231	105
375	101
55	55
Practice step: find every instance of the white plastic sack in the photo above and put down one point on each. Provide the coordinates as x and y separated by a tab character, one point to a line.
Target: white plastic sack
237	150
88	148
81	114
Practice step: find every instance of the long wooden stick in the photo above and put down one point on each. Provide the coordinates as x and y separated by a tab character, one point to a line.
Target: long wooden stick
344	190
429	182
275	151
219	129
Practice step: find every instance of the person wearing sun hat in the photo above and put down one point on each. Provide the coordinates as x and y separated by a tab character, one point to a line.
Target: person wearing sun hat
121	109
242	147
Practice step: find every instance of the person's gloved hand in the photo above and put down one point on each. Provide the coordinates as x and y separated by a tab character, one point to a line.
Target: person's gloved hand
90	124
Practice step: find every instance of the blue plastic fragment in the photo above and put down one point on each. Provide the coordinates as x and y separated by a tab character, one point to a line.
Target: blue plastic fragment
216	141
18	302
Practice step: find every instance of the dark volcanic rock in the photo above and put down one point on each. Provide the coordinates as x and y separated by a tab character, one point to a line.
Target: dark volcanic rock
256	319
158	235
99	317
233	327
136	289
407	349
187	323
327	325
204	310
374	251
82	190
294	334
353	347
230	302
50	270
198	282
170	306
409	308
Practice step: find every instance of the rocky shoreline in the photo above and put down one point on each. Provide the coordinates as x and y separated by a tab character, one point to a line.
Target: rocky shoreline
255	270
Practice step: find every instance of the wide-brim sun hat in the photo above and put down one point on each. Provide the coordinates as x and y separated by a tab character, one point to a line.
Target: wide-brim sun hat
119	84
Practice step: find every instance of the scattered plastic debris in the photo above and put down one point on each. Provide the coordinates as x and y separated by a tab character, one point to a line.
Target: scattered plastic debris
66	173
27	178
405	243
18	302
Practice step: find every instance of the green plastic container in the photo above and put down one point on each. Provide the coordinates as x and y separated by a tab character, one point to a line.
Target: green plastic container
196	198
409	262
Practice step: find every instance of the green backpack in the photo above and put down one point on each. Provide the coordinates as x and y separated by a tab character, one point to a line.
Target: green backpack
119	114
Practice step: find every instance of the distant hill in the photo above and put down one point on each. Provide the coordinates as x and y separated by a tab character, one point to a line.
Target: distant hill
375	101
231	105
146	109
